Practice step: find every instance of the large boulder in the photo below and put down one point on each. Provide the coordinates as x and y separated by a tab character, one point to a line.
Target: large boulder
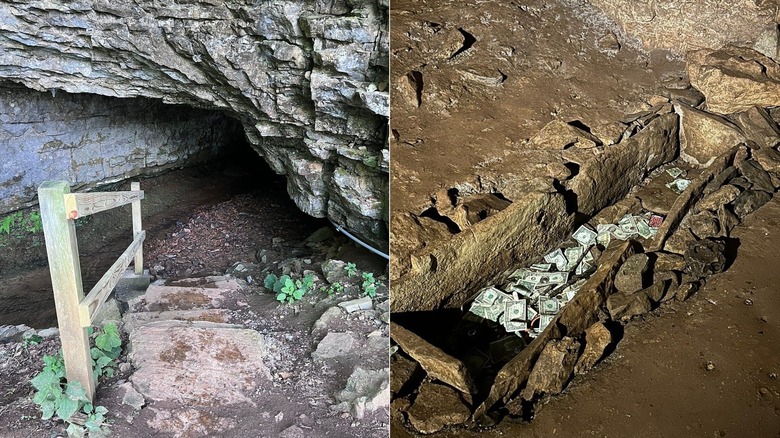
704	136
735	79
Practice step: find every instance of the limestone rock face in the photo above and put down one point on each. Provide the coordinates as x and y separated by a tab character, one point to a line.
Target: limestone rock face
307	80
87	139
735	79
682	25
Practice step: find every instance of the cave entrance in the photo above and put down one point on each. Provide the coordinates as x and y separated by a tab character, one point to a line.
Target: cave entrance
211	200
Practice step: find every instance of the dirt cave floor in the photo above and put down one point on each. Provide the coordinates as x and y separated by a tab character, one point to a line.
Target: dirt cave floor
657	382
225	218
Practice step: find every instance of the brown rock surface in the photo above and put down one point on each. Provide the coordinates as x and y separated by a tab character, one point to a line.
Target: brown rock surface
561	135
680	25
597	339
581	312
704	136
758	126
723	195
553	369
596	186
631	276
436	407
438	364
735	79
447	272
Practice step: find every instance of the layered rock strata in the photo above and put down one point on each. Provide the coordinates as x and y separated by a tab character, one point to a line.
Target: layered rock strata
307	80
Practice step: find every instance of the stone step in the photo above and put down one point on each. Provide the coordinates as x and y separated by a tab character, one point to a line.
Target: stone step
197	363
134	320
160	298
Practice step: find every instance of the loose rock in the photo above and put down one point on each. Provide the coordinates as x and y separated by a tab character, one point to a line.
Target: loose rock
401	371
704	224
665	261
631	276
769	159
437	363
292	432
625	306
706	257
436	407
723	195
686	290
735	79
366	391
334	271
362	303
657	290
749	201
132	397
754	173
597	339
727	219
553	369
679	241
561	135
705	136
333	345
758	126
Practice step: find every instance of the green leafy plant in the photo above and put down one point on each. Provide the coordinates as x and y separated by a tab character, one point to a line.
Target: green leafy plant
333	288
57	396
108	347
370	284
17	221
34	222
7	222
351	269
287	289
31	340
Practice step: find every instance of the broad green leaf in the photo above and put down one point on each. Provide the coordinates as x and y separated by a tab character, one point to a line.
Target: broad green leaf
67	407
103	361
269	281
76	391
281	297
45	379
87	408
75	431
101	410
298	294
47	409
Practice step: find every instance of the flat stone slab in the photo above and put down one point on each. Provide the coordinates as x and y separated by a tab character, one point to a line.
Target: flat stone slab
197	363
133	321
161	298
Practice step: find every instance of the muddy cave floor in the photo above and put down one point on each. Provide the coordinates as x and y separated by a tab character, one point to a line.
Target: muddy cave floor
657	382
201	221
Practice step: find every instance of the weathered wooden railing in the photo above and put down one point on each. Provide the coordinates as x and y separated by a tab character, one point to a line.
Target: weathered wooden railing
75	312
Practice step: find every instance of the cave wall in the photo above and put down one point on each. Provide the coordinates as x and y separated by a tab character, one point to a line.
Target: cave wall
683	25
307	79
88	139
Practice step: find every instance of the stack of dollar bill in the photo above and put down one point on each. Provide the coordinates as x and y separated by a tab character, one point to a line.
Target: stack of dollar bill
538	292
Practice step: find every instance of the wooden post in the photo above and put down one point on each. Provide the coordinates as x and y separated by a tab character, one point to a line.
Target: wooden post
62	250
139	256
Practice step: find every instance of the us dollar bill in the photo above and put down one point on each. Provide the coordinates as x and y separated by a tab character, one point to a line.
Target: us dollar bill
557	258
585	236
515	310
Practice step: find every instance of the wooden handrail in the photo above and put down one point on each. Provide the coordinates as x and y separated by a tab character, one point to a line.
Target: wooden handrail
75	313
83	204
98	295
